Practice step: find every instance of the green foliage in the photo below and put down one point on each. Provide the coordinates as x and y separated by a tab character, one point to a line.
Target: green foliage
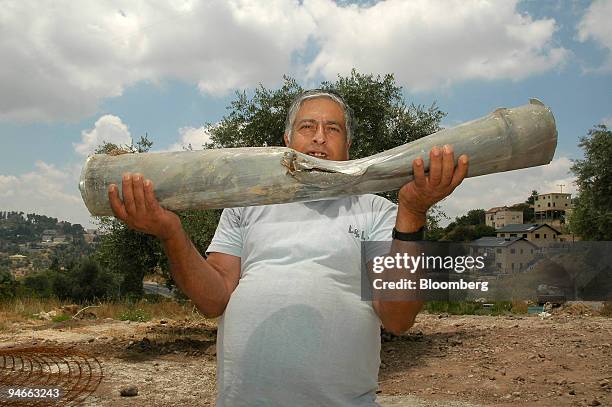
8	285
591	217
61	318
468	227
468	308
90	282
39	284
85	281
135	315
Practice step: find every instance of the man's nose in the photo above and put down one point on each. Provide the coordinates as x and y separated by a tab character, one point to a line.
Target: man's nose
319	136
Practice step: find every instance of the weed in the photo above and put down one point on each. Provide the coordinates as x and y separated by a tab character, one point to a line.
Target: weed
61	318
135	315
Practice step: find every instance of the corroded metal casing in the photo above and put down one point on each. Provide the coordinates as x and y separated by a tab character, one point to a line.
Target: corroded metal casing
504	140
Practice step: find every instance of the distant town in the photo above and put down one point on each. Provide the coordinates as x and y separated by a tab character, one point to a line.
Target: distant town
30	242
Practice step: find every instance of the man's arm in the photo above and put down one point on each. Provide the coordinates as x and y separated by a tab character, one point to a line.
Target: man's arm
415	198
209	283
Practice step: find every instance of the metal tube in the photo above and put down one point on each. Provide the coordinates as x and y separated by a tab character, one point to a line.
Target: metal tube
504	140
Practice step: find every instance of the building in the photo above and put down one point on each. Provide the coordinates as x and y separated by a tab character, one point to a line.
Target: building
552	208
506	255
18	260
48	235
539	234
501	216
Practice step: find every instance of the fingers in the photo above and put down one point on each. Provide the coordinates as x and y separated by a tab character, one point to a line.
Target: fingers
115	202
128	194
448	165
138	191
418	170
150	199
435	166
461	171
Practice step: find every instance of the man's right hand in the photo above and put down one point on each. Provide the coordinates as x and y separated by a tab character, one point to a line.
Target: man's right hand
140	210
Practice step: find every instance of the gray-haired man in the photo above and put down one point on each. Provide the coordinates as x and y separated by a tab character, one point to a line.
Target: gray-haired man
285	278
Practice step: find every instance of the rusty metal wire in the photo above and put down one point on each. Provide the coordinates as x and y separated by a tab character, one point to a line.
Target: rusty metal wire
76	375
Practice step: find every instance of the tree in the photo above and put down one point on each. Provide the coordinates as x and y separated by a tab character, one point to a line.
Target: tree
131	254
384	121
591	218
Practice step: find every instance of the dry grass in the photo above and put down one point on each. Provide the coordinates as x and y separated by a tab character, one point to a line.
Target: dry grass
154	310
606	310
520	307
22	310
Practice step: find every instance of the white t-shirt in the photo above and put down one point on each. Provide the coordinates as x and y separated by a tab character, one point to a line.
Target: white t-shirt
295	331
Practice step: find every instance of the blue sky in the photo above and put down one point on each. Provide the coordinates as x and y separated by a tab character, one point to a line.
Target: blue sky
77	73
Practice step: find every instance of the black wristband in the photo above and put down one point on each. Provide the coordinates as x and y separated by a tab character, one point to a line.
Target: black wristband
409	237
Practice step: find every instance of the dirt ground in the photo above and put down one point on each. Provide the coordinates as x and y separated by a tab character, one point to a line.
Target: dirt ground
562	360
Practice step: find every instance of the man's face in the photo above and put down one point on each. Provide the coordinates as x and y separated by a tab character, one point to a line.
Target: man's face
319	130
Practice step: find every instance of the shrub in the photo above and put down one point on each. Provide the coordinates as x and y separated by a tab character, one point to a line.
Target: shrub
135	315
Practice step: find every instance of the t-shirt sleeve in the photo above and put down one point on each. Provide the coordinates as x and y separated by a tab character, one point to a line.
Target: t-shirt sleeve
384	213
228	236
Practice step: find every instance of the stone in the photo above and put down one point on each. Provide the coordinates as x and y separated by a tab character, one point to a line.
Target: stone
129	391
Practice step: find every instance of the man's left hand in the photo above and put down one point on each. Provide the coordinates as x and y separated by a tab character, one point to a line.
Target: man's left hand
423	192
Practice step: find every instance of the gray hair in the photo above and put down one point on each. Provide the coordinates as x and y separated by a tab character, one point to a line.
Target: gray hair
349	117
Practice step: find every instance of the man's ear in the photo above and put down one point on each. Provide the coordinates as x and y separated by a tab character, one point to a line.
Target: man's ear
286	138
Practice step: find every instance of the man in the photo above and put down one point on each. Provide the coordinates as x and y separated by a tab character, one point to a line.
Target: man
285	278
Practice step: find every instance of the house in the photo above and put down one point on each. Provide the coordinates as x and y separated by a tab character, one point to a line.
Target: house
539	234
505	255
18	260
48	235
552	208
501	216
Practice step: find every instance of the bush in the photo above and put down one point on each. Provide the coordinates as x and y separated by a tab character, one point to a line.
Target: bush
61	318
468	308
135	315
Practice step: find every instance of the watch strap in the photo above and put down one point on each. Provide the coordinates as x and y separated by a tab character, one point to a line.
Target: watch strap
409	237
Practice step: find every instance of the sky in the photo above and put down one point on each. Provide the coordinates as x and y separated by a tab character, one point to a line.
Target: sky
75	74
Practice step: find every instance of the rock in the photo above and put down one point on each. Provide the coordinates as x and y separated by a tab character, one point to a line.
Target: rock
572	392
90	340
594	402
163	322
129	391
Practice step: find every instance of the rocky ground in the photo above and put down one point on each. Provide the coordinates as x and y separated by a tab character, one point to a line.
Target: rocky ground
562	360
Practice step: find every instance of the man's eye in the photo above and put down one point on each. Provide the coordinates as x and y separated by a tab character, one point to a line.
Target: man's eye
306	126
334	129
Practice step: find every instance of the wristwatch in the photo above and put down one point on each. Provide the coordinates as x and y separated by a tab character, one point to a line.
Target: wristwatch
409	237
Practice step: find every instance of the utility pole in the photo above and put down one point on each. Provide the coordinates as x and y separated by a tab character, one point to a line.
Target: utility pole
561	186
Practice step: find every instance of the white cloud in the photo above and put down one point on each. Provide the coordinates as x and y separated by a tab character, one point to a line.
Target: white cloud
429	44
61	58
191	136
596	25
508	188
46	190
107	128
607	121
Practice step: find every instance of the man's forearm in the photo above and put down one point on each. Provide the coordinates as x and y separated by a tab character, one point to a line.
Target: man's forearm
398	316
195	276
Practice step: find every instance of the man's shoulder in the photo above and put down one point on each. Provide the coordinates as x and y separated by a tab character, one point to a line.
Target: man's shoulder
377	202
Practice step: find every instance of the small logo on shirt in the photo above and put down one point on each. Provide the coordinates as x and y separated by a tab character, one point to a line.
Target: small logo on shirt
356	232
